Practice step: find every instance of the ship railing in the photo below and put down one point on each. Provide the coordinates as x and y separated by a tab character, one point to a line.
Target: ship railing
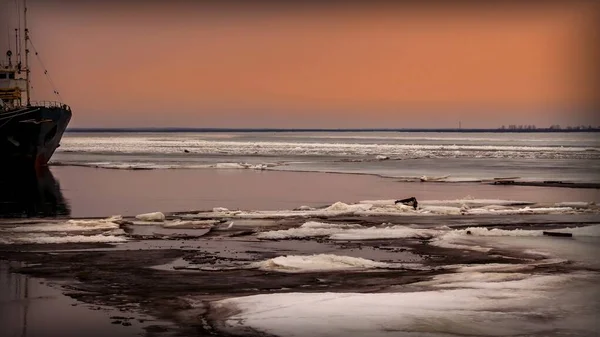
48	104
7	66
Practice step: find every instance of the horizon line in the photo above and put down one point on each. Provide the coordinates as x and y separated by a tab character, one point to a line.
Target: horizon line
226	129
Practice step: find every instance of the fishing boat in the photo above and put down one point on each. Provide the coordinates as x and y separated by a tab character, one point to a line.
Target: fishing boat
30	131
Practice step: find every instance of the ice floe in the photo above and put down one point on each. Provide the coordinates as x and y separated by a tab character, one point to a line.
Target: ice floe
477	202
336	209
307	230
477	304
317	262
125	165
358	232
463	238
348	232
178	223
592	230
343	207
392	232
443	237
175	145
261	166
48	239
574	204
525	210
70	226
389	208
426	178
493	267
154	216
69	231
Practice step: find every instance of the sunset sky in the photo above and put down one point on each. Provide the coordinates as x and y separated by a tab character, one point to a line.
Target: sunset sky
339	65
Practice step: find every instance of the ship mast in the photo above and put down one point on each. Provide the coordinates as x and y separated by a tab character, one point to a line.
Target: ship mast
26	52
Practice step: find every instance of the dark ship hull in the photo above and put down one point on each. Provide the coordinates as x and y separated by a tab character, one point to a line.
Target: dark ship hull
30	135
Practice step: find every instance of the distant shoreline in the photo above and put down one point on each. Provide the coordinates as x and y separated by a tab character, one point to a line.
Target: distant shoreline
441	130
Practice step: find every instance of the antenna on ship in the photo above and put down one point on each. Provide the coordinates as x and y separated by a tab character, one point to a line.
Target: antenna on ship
8	34
17	45
26	52
18	33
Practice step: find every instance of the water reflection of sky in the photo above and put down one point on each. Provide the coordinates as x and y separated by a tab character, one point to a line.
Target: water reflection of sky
29	307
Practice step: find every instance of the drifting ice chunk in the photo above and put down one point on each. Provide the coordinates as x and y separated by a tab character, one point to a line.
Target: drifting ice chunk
317	262
229	166
378	202
445	210
190	223
470	201
426	178
48	239
262	166
340	206
525	210
155	216
394	232
574	204
592	230
307	230
72	226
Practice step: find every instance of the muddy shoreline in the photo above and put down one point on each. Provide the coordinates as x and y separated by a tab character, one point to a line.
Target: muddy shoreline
125	281
125	277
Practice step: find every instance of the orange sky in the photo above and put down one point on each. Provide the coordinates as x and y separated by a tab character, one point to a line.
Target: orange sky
314	66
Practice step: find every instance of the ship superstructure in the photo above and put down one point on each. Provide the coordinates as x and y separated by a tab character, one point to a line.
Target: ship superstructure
30	131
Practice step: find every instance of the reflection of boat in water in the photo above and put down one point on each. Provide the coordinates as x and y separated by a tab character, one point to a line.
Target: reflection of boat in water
31	193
